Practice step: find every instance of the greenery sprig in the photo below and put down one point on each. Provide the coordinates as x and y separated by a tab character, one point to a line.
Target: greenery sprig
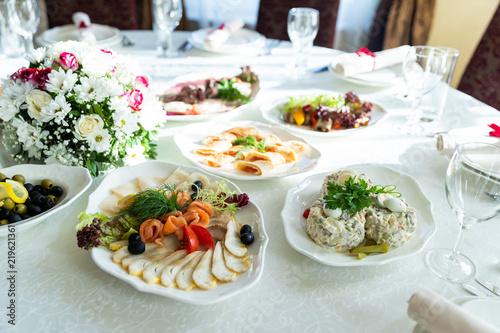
249	143
228	92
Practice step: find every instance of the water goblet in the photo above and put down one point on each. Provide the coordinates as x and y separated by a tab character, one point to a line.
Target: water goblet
167	15
303	24
423	68
473	192
24	17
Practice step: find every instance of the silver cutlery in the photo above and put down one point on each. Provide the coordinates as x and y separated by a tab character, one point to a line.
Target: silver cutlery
270	45
489	286
474	291
126	41
184	47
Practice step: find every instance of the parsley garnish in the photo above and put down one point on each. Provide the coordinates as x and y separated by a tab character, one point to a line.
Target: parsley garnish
354	196
249	143
228	92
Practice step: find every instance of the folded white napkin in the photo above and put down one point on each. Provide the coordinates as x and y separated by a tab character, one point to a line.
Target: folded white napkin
217	37
446	143
84	28
437	315
350	64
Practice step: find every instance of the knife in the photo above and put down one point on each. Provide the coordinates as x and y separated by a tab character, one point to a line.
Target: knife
489	286
474	290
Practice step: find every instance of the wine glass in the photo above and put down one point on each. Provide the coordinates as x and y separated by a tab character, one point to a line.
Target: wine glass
167	15
226	8
24	17
303	24
473	192
423	68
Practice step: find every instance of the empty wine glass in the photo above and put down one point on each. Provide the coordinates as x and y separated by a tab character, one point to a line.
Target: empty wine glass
24	18
167	15
423	68
473	192
303	24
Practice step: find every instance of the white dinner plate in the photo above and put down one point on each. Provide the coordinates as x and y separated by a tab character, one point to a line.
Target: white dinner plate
105	35
160	88
302	196
243	40
271	112
485	308
73	180
383	77
250	214
192	135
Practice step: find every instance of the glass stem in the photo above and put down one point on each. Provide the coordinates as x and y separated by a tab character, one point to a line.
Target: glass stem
464	226
416	112
28	44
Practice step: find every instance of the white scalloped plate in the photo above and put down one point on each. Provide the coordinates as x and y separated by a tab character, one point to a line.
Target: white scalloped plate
191	136
303	195
73	180
105	35
250	214
271	112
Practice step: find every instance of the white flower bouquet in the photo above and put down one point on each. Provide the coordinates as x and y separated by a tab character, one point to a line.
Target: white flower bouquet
79	105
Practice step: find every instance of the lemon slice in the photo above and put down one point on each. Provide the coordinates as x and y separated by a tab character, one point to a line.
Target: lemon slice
14	190
126	201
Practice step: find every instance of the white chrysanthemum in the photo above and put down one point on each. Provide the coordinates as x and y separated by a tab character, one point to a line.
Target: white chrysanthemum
37	56
135	155
97	63
100	142
30	136
125	122
8	109
87	89
113	87
60	81
124	74
73	47
17	92
58	154
57	110
152	113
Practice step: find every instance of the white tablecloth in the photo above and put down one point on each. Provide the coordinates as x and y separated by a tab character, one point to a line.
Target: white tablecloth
60	289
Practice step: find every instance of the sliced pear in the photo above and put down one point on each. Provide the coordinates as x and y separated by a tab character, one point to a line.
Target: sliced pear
137	267
168	274
202	275
233	242
237	264
219	268
152	272
118	245
184	278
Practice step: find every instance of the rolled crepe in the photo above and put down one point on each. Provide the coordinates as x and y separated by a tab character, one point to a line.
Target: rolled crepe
350	64
296	146
257	168
274	158
285	151
218	160
220	35
219	137
243	132
84	28
440	315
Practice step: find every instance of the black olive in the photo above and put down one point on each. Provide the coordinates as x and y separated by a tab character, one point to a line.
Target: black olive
135	237
15	218
48	204
247	239
34	210
39	199
5	214
193	196
57	191
246	229
34	193
197	185
136	247
28	187
38	188
25	216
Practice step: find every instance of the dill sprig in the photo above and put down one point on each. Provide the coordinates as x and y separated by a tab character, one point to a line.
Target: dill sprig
153	203
249	143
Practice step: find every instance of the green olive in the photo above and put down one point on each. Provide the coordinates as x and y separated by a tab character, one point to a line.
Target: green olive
53	198
47	183
8	204
2	176
4	222
20	209
19	178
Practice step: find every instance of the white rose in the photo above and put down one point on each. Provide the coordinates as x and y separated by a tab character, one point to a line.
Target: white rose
88	126
36	100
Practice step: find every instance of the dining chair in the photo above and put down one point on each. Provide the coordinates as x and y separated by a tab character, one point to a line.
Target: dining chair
481	78
273	14
121	14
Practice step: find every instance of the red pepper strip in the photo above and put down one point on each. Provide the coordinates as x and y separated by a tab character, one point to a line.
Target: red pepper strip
496	129
192	239
204	237
306	213
313	119
336	126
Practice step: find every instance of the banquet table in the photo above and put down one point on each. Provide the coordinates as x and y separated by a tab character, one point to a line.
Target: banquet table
60	289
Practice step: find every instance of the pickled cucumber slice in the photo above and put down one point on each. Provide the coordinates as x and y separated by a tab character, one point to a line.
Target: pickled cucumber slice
382	248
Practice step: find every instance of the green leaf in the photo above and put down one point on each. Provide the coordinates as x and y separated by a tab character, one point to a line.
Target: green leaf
92	167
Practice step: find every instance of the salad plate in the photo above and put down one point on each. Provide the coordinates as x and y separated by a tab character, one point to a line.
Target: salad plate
243	40
302	196
73	180
160	89
192	135
105	35
250	214
272	113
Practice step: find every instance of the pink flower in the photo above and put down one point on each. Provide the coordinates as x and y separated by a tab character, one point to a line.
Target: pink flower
67	61
134	99
28	75
42	76
17	74
141	80
106	51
